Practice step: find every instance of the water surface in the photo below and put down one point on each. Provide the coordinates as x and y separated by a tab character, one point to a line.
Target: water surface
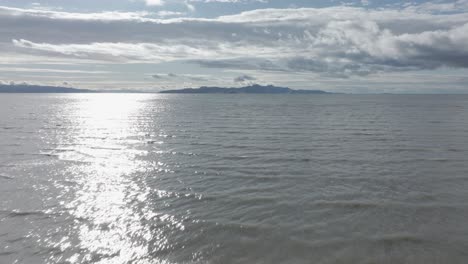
126	178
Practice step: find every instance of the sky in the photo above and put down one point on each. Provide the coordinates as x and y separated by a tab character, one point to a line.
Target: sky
362	46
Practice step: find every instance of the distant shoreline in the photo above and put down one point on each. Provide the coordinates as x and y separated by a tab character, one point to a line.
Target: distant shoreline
253	89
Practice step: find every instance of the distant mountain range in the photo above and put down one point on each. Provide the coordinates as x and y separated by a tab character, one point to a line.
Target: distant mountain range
30	88
27	88
252	89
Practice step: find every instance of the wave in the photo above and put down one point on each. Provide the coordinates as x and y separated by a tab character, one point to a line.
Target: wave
7	253
347	204
17	213
384	204
399	238
6	177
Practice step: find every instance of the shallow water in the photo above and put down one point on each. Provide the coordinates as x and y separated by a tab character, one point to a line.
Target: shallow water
126	178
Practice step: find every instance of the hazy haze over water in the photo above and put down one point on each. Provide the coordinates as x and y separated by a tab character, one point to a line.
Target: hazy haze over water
119	178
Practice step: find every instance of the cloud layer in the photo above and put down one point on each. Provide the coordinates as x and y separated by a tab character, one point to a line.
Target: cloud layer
337	42
341	40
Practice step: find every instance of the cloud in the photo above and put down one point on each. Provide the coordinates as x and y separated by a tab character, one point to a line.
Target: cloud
192	77
244	78
190	7
14	83
154	2
117	51
47	70
29	15
229	1
337	41
456	6
165	13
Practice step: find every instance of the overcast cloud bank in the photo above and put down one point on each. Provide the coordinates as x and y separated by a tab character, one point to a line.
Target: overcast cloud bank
334	42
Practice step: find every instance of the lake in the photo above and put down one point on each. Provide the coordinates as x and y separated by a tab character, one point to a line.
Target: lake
153	178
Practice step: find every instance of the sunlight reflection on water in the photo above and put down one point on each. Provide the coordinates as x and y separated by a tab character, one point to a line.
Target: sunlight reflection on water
108	206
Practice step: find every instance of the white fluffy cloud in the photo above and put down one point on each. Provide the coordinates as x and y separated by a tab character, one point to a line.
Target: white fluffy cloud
154	2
